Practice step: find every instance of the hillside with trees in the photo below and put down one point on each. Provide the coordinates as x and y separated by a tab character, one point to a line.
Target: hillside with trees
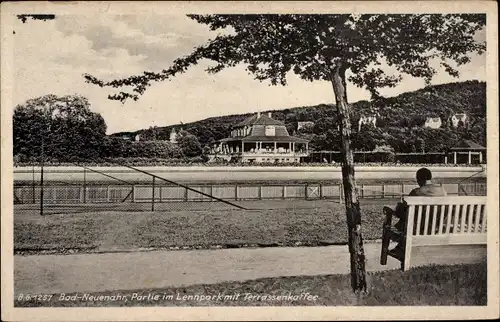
400	121
70	132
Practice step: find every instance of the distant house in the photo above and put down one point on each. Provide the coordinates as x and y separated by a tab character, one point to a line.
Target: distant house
306	124
173	136
260	138
367	120
457	118
433	122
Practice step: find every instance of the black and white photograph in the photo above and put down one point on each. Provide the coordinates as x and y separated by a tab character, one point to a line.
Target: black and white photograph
249	160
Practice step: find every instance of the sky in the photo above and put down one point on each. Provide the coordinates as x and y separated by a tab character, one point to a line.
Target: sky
50	57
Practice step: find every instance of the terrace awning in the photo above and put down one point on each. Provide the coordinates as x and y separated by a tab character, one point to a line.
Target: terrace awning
467	145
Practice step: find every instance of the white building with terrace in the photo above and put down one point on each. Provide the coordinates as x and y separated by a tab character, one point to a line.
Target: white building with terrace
259	139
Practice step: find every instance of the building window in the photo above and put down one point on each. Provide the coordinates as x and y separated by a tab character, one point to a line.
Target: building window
270	130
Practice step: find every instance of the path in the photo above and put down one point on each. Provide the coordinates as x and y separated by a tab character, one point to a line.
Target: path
142	270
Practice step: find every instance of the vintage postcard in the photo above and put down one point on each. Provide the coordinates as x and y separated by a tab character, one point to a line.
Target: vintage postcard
249	160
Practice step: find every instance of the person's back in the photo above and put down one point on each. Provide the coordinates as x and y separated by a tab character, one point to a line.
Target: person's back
426	188
429	190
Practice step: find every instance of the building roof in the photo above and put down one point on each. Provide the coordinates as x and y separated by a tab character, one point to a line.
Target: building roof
263	119
467	145
262	138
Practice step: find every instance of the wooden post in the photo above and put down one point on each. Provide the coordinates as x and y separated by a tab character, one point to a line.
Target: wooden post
236	193
260	192
34	187
284	191
446	159
455	157
153	196
320	191
41	178
383	191
305	191
470	157
186	196
480	157
84	185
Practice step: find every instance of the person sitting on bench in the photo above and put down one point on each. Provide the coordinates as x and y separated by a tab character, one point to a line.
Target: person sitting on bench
426	188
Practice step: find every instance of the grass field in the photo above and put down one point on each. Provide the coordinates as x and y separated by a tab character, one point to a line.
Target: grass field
285	224
430	285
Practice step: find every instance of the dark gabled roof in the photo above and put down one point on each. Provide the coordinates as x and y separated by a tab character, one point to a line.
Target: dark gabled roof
246	121
467	145
262	120
262	138
259	138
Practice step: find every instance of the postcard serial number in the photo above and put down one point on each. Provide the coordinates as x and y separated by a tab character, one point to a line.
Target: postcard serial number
34	297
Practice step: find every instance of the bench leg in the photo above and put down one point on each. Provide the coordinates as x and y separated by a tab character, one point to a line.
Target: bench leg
385	235
385	247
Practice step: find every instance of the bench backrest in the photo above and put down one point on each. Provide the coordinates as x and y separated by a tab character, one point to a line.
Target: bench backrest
446	220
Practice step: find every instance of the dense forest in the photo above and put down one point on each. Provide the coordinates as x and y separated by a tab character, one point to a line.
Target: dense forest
399	122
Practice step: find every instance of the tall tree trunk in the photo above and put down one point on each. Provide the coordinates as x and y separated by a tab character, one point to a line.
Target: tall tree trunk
353	212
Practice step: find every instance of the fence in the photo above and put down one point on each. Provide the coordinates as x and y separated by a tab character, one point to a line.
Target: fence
94	194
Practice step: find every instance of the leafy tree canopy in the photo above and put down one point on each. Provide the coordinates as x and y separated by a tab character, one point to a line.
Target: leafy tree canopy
65	125
44	17
312	45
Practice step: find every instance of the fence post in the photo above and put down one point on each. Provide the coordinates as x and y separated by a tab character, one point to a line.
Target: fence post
320	191
260	192
41	180
34	188
153	196
133	193
383	191
305	191
185	194
284	191
340	193
362	191
236	192
84	185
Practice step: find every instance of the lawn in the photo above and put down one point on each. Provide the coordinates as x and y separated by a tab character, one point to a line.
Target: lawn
430	285
322	223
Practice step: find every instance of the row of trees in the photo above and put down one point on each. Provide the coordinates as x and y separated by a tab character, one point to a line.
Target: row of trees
401	140
64	129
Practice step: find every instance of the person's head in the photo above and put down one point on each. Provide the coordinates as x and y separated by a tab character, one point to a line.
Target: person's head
423	176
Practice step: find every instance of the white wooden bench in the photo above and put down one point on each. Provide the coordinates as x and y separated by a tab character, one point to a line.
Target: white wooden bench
433	221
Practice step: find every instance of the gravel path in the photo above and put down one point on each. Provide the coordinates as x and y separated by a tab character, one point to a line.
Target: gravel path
142	270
